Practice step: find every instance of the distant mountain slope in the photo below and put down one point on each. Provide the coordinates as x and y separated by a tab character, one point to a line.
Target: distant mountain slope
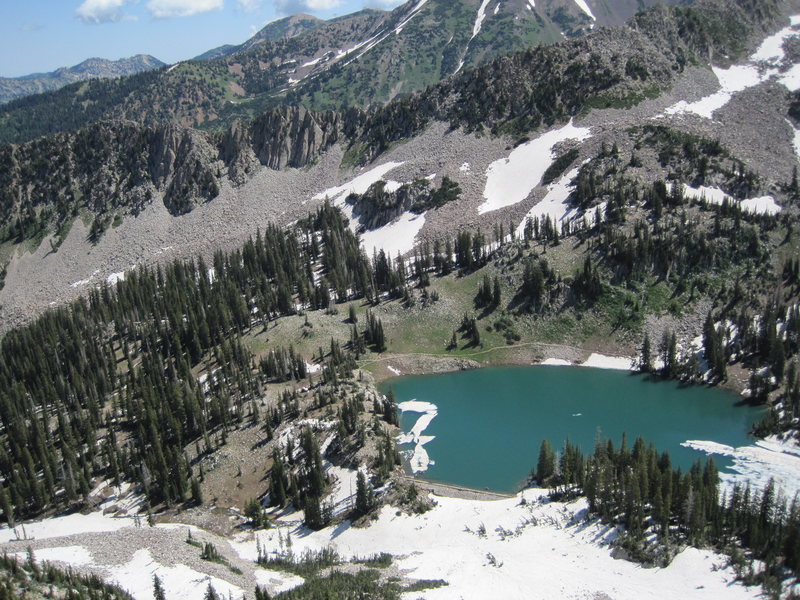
281	29
365	58
92	68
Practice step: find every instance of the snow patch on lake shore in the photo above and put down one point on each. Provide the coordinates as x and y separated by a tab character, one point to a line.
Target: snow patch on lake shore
766	459
419	459
555	362
600	361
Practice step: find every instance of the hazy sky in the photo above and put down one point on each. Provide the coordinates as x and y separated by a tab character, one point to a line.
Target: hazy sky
42	35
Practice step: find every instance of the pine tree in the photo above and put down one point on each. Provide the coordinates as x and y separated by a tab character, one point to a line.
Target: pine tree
158	589
211	593
278	483
262	593
365	496
546	466
496	293
313	513
646	356
8	510
197	492
453	343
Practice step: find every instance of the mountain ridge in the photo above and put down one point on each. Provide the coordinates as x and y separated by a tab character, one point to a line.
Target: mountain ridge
12	88
362	59
287	27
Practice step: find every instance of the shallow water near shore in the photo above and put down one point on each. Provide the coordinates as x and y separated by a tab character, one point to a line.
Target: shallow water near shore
489	423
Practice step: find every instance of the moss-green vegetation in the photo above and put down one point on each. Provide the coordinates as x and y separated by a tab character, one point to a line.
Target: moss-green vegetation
381	560
309	564
366	583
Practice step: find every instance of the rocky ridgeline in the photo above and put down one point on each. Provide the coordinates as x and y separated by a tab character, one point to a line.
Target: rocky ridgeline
112	166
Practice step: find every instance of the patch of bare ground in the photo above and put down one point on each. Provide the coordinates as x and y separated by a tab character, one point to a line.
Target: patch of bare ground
237	470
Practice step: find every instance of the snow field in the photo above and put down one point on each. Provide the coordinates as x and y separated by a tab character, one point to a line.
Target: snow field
555	203
76	556
393	238
763	205
136	576
419	460
277	581
510	180
344	489
66	525
357	185
585	8
521	547
476	28
115	278
762	65
180	582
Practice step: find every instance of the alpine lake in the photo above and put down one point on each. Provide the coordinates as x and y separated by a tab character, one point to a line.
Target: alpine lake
490	422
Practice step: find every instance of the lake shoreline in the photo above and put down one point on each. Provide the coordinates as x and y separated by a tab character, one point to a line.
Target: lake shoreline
530	403
388	365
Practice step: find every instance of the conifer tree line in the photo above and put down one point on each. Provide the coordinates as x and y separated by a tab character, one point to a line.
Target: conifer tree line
662	508
107	386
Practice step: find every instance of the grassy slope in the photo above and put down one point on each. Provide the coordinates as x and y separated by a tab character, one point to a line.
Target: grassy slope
426	330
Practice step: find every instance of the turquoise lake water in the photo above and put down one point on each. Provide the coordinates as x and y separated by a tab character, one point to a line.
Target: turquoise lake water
491	422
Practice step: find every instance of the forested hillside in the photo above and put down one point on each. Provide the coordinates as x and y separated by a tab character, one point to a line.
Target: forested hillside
29	579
